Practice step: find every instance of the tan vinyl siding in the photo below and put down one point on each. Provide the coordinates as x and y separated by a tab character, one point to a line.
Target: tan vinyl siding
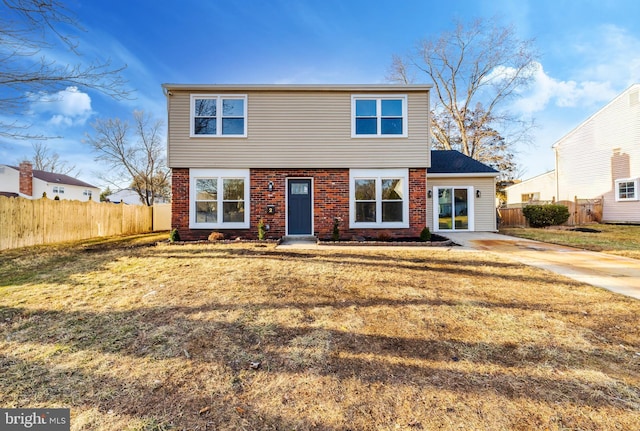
298	129
484	207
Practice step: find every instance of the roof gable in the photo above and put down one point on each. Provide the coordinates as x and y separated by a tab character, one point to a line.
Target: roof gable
633	89
53	178
454	162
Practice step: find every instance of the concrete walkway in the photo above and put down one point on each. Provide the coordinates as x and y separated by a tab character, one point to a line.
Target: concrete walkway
615	273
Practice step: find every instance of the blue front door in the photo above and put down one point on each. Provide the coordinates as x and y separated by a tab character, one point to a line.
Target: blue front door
299	207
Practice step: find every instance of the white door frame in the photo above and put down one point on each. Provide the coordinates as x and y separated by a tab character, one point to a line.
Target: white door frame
470	209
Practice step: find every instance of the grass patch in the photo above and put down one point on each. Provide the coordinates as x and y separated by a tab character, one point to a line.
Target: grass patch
621	240
227	337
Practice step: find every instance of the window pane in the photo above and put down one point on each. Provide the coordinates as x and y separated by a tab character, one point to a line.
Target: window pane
365	108
299	189
205	107
392	108
366	126
366	212
627	190
391	126
206	212
206	189
233	108
233	189
233	212
460	209
392	189
233	126
391	211
204	126
365	190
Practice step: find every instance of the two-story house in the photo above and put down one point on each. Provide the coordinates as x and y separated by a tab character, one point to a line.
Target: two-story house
24	181
299	157
600	158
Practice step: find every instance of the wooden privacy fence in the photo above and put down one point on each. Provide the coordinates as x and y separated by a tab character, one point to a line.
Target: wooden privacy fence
581	211
25	222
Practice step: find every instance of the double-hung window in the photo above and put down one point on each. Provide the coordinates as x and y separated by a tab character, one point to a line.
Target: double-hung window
627	189
218	115
384	116
219	199
379	198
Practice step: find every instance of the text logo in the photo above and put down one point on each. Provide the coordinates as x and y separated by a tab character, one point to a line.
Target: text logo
35	419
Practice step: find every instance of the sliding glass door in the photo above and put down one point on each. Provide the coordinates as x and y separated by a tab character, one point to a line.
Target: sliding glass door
454	208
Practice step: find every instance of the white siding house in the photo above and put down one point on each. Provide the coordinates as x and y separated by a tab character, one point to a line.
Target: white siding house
538	188
600	159
24	181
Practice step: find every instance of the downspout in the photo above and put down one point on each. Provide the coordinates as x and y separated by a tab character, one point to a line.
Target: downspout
557	175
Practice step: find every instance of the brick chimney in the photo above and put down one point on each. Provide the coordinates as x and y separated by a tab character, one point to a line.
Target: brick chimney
26	178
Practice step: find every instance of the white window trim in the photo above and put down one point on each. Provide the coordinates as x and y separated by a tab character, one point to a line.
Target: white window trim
471	211
378	98
627	180
217	97
219	174
378	175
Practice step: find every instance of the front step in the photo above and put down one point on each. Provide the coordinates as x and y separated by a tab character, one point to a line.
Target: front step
299	239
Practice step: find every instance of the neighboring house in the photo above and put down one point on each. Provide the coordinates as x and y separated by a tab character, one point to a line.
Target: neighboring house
601	159
541	188
131	197
300	157
31	183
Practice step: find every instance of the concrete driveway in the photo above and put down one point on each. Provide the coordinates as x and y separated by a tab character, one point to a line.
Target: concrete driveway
618	274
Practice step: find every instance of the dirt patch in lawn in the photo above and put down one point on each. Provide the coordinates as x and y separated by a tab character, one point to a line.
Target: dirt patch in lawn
234	336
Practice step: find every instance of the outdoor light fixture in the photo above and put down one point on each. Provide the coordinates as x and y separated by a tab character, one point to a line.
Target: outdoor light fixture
478	193
429	194
270	186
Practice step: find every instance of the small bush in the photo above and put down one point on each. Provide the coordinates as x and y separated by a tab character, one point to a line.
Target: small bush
425	234
335	235
384	236
216	236
262	230
545	215
174	235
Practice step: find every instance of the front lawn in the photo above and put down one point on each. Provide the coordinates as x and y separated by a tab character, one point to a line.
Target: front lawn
622	240
134	336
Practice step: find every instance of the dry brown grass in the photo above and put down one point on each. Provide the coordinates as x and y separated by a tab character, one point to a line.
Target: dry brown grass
169	337
621	240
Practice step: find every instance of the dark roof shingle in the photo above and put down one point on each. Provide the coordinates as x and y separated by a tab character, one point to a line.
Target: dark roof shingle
53	178
454	162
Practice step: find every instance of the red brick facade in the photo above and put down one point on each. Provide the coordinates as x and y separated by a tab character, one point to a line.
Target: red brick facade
26	178
330	199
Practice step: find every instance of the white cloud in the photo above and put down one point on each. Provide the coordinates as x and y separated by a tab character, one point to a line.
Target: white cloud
68	107
546	90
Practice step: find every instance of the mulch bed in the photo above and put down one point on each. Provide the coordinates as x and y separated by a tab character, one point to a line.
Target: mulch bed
436	241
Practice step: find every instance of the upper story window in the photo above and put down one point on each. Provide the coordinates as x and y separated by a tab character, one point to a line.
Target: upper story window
379	116
218	115
627	189
58	190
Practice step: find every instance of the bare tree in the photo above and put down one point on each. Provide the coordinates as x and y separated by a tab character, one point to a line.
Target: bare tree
135	154
477	70
44	159
28	28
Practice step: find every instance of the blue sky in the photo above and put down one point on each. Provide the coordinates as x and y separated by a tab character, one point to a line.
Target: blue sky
590	52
